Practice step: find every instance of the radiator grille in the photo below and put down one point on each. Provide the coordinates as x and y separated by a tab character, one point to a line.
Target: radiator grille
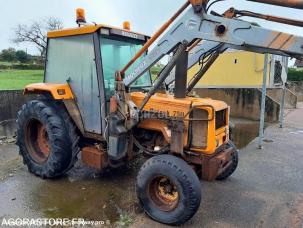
199	129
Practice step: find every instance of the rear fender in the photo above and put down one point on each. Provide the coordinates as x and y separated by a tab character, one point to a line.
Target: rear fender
64	93
57	91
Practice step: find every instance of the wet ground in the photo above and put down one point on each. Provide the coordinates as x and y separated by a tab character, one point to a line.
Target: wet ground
266	190
83	193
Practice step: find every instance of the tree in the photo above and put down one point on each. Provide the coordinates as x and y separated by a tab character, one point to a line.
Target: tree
8	55
22	56
36	33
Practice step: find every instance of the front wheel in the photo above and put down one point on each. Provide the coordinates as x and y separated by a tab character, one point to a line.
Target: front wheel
234	164
168	189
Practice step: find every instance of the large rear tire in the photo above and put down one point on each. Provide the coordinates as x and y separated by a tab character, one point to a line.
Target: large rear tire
168	189
47	138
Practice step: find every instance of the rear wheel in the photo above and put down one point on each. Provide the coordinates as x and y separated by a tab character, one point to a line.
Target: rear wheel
168	189
37	139
47	138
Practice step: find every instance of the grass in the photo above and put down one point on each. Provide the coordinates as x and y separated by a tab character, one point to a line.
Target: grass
18	79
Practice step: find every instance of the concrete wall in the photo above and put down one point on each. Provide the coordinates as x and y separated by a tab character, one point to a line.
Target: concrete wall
245	103
10	103
291	99
297	89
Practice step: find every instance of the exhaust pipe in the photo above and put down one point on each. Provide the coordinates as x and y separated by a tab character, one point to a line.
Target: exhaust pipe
296	4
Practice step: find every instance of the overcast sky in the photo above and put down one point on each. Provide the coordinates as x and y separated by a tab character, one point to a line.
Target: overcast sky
145	16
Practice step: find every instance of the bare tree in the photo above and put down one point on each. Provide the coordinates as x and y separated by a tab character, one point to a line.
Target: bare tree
36	33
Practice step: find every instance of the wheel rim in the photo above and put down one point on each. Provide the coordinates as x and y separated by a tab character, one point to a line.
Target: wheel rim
37	141
164	193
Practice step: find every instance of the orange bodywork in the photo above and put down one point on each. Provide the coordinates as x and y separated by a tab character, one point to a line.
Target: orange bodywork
161	103
180	107
58	91
87	29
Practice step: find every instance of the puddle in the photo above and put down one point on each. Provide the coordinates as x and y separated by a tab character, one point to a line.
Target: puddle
8	128
109	197
106	197
244	131
98	199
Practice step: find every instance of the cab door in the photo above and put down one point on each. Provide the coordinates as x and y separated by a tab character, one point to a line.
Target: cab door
73	59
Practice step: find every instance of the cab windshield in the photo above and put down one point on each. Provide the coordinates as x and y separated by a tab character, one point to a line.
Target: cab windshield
116	53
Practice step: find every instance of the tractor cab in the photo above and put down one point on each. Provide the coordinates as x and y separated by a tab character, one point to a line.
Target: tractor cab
86	58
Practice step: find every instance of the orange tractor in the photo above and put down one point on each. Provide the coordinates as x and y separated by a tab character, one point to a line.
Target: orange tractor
87	104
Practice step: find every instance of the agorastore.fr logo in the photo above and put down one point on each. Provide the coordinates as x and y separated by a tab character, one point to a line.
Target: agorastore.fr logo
63	222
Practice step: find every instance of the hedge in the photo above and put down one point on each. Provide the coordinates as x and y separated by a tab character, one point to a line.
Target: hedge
295	75
21	67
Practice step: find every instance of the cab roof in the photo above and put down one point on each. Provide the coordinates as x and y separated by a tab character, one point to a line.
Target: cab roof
87	29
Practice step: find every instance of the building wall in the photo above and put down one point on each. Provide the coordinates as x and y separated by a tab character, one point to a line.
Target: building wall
237	69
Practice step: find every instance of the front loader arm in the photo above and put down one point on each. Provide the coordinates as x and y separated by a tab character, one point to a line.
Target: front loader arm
236	33
297	4
207	46
202	49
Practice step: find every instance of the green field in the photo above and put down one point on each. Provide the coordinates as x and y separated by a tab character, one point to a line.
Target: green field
17	79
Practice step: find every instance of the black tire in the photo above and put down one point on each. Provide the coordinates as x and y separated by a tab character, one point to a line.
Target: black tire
59	149
235	160
185	183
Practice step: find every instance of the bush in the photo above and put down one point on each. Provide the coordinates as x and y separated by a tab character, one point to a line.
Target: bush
8	55
22	56
295	74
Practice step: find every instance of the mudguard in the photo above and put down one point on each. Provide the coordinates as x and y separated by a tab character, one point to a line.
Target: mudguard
58	91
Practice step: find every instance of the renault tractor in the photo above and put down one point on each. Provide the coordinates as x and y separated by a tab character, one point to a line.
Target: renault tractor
99	103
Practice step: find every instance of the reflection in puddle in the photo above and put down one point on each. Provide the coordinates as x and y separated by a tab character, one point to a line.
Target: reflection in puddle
103	198
244	131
